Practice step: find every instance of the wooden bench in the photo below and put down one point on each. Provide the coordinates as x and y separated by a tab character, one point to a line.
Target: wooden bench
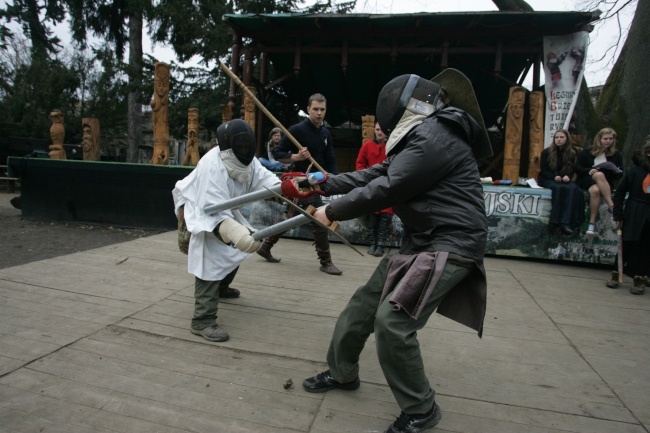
10	182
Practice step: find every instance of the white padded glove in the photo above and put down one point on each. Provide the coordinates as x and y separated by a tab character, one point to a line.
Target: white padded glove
231	231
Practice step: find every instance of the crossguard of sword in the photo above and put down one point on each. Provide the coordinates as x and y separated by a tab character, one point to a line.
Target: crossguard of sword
334	225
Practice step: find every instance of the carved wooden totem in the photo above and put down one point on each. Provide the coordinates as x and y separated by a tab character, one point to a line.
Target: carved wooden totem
90	138
192	151
514	128
160	108
226	113
57	134
536	133
367	128
249	108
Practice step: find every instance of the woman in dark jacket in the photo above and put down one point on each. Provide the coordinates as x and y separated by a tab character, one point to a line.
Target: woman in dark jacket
599	181
557	167
634	214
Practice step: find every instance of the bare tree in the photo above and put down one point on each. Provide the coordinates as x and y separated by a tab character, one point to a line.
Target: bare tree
612	11
14	55
622	103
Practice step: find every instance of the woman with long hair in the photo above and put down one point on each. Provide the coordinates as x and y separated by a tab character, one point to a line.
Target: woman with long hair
557	167
599	181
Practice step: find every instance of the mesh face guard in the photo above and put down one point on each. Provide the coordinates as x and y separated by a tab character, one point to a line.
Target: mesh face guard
405	91
238	136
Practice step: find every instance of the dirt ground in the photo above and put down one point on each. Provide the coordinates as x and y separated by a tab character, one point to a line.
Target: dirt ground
23	241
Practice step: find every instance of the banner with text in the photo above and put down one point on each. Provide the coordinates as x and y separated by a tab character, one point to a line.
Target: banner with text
564	66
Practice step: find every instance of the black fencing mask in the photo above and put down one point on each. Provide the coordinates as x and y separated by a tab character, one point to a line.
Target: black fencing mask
238	136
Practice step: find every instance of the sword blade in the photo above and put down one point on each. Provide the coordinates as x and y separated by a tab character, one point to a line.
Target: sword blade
312	219
281	227
242	200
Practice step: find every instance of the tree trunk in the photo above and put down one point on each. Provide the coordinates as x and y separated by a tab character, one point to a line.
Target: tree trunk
134	121
622	104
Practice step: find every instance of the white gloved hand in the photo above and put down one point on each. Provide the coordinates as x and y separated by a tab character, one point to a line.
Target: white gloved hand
231	231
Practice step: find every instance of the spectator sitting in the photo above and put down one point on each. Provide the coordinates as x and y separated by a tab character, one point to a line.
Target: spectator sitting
599	182
269	161
557	167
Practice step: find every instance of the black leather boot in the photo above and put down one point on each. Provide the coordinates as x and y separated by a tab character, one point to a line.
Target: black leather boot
383	234
265	249
373	228
323	251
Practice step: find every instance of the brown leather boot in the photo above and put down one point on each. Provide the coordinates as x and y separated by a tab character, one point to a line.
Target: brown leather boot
326	264
613	282
323	251
265	249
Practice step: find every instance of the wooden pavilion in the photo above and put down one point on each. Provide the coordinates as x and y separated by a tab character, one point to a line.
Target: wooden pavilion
349	58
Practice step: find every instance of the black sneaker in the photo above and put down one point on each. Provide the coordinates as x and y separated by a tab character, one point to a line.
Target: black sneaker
229	292
416	423
324	382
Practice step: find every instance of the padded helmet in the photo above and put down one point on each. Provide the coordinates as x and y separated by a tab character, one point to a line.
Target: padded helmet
396	94
238	136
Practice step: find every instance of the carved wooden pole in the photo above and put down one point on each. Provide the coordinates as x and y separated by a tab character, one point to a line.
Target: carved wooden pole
226	113
90	138
367	128
514	128
536	133
57	134
192	151
249	107
160	109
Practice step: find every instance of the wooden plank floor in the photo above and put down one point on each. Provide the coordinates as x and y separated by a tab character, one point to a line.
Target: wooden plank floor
99	342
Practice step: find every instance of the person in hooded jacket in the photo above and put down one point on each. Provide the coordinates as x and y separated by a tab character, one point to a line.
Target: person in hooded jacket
432	181
220	241
632	214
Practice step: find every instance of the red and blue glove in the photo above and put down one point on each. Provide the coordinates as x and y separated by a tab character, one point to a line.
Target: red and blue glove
300	185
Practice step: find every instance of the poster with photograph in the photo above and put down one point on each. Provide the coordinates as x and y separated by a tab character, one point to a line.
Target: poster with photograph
564	66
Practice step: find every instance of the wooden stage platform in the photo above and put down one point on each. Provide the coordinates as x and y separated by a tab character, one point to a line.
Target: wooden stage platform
98	342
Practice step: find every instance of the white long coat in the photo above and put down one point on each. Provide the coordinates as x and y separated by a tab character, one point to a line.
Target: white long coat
209	258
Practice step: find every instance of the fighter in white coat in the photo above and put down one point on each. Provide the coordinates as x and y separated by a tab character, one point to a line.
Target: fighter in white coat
221	241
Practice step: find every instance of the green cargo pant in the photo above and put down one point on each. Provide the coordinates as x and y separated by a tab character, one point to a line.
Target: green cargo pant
398	349
206	299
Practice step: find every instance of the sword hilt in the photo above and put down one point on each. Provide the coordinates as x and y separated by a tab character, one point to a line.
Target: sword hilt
311	210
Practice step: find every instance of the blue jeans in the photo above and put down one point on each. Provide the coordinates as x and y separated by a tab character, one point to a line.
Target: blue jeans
273	166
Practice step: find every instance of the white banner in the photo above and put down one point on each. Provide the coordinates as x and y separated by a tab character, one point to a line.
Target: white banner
564	66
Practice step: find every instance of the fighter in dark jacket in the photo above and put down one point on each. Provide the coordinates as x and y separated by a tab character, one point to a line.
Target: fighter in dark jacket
431	180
